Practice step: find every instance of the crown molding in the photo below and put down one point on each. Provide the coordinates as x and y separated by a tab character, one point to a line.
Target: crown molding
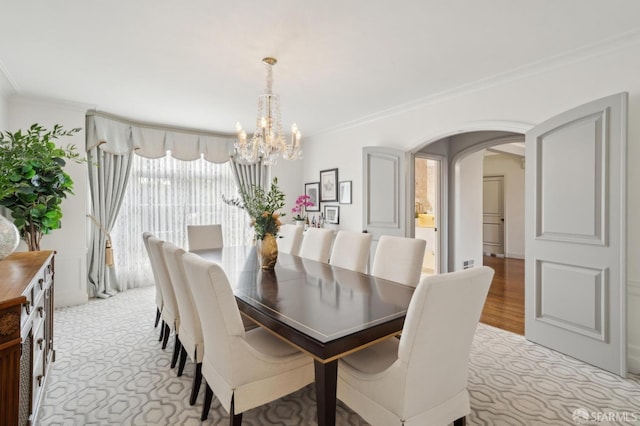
600	48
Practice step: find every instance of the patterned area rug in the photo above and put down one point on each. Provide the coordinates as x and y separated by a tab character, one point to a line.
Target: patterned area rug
110	370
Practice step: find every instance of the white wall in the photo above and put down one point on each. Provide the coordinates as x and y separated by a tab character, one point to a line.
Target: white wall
5	92
70	241
511	167
523	99
467	217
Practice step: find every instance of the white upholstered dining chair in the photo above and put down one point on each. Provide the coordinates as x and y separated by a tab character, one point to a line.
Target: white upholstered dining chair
159	303
170	313
190	331
244	369
290	238
399	259
201	237
351	251
316	244
421	379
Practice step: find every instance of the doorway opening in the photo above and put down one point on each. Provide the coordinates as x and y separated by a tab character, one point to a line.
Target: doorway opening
427	210
469	157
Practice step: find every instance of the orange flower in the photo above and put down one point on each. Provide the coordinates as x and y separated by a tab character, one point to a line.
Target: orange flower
275	215
278	223
265	215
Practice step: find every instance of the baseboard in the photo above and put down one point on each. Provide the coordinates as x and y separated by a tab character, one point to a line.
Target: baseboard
70	299
515	256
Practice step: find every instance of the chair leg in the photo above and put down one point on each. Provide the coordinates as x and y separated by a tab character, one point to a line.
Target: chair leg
161	331
462	421
176	351
234	419
208	395
183	360
157	317
165	338
195	388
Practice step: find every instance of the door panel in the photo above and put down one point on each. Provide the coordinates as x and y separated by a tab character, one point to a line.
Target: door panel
384	199
493	215
575	276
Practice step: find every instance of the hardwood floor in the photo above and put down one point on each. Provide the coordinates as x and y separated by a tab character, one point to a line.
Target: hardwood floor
504	307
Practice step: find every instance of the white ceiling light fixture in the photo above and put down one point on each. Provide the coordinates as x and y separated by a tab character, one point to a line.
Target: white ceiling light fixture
268	141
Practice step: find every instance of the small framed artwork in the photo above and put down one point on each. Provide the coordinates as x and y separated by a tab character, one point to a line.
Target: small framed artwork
313	191
329	185
332	214
344	192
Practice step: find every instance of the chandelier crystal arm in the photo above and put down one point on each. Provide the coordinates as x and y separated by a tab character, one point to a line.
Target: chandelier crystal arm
268	141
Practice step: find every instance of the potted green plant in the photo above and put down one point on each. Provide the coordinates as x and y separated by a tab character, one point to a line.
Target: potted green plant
32	179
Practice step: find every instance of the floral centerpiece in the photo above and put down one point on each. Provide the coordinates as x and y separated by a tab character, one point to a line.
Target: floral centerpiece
262	207
302	202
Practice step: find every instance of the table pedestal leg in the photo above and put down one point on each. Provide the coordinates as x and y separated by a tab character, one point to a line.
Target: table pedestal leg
326	383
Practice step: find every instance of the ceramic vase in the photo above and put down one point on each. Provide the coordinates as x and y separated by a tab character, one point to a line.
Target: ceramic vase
268	250
9	237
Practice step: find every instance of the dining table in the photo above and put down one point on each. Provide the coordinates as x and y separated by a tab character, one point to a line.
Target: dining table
325	311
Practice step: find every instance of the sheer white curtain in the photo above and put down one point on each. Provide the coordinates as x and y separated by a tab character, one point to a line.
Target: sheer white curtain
163	196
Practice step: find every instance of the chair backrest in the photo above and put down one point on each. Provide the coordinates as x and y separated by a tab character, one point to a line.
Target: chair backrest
218	312
351	251
170	312
290	238
438	333
189	319
145	240
316	244
399	259
201	237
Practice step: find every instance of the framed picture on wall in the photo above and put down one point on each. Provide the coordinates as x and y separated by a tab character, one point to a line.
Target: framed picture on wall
332	214
312	189
329	185
344	192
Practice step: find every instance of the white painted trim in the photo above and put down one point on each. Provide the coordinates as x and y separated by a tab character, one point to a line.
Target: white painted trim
515	256
48	102
7	76
633	359
599	48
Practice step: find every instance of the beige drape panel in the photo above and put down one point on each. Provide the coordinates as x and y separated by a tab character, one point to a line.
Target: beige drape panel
249	174
111	142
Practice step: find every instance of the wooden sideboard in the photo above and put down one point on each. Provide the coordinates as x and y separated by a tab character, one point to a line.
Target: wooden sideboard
26	334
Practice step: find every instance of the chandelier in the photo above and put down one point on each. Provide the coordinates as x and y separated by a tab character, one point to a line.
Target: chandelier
268	141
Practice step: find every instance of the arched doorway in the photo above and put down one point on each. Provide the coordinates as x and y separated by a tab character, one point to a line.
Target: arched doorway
462	229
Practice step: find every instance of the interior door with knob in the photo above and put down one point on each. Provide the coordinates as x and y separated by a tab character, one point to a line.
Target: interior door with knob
493	215
384	193
575	233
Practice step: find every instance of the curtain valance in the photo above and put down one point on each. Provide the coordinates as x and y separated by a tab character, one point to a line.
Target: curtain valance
120	137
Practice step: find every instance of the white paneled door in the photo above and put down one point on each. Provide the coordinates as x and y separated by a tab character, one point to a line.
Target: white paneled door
575	279
493	215
383	198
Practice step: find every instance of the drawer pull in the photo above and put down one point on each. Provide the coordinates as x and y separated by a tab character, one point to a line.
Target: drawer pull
27	307
39	342
41	283
39	379
41	311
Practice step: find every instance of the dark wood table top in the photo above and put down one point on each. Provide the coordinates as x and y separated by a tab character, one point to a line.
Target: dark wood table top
326	311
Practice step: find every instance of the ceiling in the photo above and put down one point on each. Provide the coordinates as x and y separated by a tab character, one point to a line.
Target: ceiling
197	63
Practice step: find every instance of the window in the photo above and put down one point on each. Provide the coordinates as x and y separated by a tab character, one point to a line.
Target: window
165	195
